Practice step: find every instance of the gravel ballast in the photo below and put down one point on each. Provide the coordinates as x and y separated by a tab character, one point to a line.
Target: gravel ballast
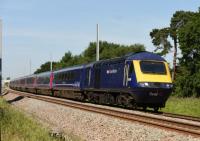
93	126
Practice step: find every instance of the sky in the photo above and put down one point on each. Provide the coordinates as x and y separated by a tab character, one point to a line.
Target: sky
35	29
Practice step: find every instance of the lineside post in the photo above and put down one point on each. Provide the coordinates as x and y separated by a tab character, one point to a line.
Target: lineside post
51	67
1	110
1	56
97	48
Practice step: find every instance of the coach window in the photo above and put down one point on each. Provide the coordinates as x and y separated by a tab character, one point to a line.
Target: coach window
66	76
30	80
38	80
72	75
59	77
69	75
47	80
62	77
44	80
56	78
41	80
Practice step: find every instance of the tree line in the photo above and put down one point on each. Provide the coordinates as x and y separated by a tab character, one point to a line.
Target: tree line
183	33
107	51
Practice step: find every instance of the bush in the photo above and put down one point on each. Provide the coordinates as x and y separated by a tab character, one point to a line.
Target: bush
187	85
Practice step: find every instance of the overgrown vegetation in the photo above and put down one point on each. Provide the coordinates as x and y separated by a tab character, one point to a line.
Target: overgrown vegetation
185	106
15	126
107	51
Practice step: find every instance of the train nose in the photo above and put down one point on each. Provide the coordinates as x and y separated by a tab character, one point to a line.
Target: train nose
152	97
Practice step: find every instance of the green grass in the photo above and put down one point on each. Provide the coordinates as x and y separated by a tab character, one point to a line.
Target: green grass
185	106
15	126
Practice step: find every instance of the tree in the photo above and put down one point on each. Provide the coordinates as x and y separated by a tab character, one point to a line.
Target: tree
65	61
45	67
160	40
110	50
188	82
161	37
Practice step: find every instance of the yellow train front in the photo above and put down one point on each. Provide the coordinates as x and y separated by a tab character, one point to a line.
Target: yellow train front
149	80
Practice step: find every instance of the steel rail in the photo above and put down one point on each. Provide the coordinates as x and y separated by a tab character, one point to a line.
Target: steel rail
180	116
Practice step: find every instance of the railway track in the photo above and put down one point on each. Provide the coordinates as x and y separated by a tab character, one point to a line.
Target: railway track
172	115
191	118
166	121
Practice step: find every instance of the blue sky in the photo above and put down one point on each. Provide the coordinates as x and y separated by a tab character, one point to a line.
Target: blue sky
33	29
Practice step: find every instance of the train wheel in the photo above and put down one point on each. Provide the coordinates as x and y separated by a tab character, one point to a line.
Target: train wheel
134	105
82	97
111	99
52	93
144	108
125	100
94	98
120	100
156	109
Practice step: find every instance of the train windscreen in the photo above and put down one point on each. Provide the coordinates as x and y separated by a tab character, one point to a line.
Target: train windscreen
153	67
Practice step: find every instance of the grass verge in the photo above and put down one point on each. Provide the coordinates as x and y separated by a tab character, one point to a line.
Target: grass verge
15	126
184	106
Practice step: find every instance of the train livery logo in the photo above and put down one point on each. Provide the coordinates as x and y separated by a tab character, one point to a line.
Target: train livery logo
111	71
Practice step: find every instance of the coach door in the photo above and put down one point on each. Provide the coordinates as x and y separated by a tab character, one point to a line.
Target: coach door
128	69
97	76
88	77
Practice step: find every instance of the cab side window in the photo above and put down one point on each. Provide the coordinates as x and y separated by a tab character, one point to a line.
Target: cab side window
131	68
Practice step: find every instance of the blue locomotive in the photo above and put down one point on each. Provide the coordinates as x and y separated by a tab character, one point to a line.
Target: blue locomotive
135	80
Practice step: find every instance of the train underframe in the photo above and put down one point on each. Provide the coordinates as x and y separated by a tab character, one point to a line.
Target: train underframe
140	98
132	99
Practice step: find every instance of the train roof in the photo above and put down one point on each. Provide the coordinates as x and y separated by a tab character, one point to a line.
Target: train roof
69	68
145	56
132	56
43	74
24	77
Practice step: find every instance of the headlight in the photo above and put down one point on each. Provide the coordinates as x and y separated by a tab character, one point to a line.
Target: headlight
143	84
169	85
155	85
